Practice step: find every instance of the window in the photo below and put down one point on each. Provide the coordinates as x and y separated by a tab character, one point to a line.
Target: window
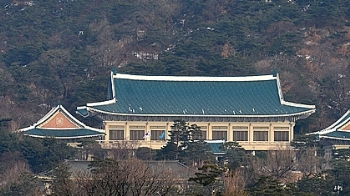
137	134
281	136
158	134
219	133
261	134
240	133
116	132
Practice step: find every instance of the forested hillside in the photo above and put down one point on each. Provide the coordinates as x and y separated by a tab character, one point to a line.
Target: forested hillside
63	50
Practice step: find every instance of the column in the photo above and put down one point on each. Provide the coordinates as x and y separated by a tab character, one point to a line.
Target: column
271	133
127	131
107	132
229	133
209	132
291	131
250	132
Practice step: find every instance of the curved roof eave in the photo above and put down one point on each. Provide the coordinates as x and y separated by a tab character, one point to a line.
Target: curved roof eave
333	127
297	105
46	116
66	129
75	137
308	112
101	103
335	138
26	129
86	127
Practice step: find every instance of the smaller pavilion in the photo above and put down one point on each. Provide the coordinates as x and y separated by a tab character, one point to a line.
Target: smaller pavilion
60	124
338	132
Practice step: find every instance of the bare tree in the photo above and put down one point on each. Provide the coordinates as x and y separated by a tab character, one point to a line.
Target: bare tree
16	177
123	150
286	165
108	51
235	183
19	116
111	177
308	161
278	163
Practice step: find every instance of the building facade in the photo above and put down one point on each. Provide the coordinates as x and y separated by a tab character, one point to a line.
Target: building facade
249	110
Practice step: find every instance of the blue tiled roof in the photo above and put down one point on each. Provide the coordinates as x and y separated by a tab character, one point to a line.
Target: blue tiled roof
149	95
338	135
217	148
341	121
335	131
78	130
62	133
82	111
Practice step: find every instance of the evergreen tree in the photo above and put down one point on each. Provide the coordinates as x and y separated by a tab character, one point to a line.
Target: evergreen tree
196	153
316	185
8	141
267	186
210	177
186	144
62	184
44	154
235	155
167	152
179	137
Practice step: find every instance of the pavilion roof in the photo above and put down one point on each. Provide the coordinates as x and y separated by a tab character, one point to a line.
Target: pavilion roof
249	96
59	123
339	130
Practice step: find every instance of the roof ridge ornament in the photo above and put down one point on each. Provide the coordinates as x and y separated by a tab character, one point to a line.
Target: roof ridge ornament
275	72
114	71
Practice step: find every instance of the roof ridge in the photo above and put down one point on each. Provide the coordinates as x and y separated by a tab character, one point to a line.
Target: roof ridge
196	78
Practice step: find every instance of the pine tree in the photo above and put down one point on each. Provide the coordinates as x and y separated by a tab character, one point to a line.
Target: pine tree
62	184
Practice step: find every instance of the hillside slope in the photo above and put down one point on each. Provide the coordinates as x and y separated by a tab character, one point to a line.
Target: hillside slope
63	50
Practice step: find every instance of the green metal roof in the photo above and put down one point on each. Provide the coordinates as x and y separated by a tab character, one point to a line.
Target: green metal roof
197	96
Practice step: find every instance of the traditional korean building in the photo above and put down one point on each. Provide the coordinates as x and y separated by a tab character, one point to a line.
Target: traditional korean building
338	132
60	124
250	110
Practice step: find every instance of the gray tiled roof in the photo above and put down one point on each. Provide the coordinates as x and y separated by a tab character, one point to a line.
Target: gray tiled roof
197	96
180	171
